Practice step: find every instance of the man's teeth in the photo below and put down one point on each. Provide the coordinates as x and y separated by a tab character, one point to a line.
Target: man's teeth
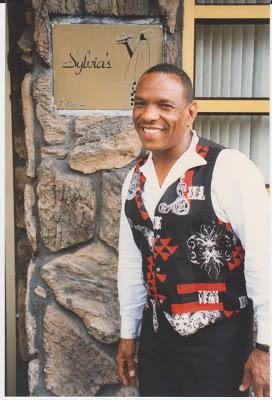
152	131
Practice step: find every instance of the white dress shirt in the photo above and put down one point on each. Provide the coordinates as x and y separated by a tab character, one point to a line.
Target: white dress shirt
238	196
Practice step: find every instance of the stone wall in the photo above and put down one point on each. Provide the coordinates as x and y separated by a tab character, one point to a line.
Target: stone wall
69	171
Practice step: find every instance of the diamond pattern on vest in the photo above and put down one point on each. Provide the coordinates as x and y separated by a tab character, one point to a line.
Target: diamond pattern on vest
164	249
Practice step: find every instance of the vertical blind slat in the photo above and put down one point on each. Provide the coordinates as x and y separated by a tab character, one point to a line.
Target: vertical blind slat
226	62
199	65
207	62
244	139
236	62
248	60
216	62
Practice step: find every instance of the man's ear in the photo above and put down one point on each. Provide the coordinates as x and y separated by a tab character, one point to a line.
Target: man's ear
192	109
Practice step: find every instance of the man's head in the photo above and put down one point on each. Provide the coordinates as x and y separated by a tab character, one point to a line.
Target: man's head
164	108
171	69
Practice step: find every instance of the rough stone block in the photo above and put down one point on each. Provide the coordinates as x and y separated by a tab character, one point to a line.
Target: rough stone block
25	42
54	125
28	115
94	129
114	151
20	181
21	178
134	7
36	4
28	59
117	7
41	32
85	282
31	327
98	7
54	151
41	292
33	375
19	145
171	52
67	7
169	9
111	205
67	205
74	364
20	214
30	222
23	348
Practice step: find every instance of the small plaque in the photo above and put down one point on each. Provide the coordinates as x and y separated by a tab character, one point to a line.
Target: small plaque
97	66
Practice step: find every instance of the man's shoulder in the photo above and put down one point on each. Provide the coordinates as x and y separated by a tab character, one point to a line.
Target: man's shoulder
236	166
206	142
231	158
131	172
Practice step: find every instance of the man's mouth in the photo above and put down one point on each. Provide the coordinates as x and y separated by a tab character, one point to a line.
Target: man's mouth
152	131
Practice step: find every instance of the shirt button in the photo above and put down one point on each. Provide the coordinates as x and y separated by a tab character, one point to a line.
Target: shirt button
158	269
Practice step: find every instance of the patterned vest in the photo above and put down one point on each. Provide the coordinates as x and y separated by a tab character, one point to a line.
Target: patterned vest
193	263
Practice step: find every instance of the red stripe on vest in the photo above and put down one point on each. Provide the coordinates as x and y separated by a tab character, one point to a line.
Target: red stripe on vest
195	287
192	307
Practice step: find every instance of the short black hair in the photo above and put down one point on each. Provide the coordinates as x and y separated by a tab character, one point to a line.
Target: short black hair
165	68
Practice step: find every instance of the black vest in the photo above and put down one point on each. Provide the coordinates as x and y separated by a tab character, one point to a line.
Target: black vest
193	263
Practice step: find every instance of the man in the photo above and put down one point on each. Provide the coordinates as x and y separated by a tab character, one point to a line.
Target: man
192	255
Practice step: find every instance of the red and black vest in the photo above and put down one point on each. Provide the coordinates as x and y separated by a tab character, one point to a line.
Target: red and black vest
193	263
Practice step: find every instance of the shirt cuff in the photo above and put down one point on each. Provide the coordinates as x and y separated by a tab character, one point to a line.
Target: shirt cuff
263	332
130	329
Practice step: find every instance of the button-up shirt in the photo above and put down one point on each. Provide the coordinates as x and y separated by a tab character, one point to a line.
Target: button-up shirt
238	197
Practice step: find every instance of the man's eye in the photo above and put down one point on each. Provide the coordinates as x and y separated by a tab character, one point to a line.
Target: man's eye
165	105
138	103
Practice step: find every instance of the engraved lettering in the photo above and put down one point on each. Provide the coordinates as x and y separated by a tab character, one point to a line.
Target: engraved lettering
87	62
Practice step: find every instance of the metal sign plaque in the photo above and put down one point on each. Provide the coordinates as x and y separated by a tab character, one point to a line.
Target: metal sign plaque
97	67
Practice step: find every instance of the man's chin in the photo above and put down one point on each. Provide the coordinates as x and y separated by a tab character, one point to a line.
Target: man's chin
152	147
150	143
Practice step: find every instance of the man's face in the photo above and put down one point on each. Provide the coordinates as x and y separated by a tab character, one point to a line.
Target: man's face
160	114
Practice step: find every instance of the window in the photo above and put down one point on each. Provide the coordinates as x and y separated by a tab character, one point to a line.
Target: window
226	54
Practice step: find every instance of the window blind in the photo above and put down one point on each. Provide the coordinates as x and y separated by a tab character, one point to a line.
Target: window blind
232	60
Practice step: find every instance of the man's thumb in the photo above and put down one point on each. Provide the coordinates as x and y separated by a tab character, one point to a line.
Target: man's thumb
245	382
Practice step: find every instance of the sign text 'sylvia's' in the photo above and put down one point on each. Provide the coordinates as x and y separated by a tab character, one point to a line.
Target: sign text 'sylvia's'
80	63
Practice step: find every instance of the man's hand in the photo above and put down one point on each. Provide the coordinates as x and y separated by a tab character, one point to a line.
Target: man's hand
256	373
126	366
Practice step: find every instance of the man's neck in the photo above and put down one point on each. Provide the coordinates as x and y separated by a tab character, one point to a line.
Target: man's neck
163	161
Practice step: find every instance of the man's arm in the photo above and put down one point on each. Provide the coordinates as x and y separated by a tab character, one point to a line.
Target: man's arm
239	192
132	296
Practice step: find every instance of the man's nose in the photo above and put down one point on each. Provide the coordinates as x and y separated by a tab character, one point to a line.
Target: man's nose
150	113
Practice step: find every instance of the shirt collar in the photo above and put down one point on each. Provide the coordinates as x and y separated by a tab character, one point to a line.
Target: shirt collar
189	159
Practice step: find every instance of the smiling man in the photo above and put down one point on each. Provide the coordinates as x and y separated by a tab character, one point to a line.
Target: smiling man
193	255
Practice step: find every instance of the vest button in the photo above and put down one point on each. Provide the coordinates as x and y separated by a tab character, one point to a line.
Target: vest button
158	269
